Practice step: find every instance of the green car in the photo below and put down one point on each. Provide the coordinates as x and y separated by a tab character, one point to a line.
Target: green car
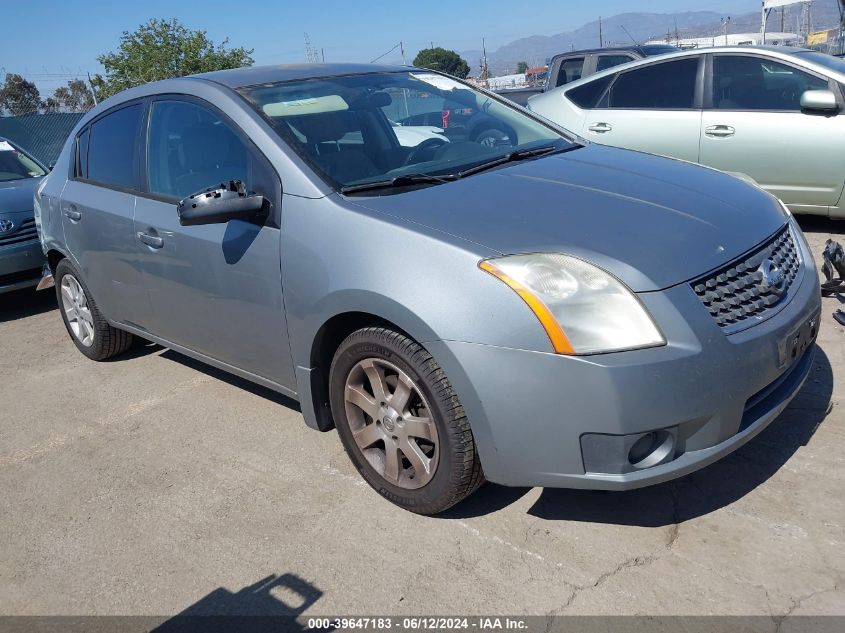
774	115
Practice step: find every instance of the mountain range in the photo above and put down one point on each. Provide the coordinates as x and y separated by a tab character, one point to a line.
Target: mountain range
536	49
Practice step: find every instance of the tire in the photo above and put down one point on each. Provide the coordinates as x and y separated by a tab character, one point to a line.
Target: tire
88	329
427	423
492	137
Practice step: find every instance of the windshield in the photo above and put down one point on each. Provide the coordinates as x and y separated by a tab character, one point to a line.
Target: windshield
15	165
828	61
358	129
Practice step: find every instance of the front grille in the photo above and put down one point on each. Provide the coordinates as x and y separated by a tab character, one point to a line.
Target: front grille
26	232
738	292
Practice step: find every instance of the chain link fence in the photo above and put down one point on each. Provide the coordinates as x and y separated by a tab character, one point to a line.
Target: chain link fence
40	123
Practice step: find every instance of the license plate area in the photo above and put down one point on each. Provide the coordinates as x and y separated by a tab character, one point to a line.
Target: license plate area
792	346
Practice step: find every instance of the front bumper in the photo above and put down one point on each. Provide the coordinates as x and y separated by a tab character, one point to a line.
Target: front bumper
531	412
20	265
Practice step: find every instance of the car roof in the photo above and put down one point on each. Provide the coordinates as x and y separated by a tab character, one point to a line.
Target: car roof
253	75
637	48
783	52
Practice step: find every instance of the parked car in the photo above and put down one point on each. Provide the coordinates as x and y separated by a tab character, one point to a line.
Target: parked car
21	259
772	115
543	314
458	122
568	67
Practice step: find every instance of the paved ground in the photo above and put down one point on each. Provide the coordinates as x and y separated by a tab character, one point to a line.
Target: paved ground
152	485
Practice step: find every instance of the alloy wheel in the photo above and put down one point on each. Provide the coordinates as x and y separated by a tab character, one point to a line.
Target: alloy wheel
392	423
75	305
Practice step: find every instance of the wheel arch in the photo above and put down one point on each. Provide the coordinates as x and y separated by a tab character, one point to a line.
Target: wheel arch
54	256
313	381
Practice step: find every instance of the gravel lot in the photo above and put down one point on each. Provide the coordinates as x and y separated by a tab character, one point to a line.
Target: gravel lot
154	485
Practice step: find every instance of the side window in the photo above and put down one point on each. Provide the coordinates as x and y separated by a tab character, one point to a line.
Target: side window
81	164
570	70
587	95
609	61
191	148
112	156
664	86
753	83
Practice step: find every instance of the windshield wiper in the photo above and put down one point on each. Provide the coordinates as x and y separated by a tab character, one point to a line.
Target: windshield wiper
400	181
516	155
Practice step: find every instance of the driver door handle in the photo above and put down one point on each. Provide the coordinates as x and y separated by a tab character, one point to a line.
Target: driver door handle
600	128
153	241
719	131
72	213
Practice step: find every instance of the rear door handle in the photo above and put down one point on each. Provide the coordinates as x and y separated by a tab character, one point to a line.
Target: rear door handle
72	213
720	131
153	241
600	128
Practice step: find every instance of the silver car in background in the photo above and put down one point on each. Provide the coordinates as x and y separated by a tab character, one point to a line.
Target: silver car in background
770	114
536	311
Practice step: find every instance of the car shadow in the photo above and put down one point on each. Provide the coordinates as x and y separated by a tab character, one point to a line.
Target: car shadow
20	304
232	379
820	224
689	497
271	604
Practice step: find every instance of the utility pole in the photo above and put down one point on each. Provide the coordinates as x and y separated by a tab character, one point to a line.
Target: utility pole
601	39
726	22
485	71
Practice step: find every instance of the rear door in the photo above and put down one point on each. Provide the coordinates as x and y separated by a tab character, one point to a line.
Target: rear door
215	289
753	124
97	207
653	108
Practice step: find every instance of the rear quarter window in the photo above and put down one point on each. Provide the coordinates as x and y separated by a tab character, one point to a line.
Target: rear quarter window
587	96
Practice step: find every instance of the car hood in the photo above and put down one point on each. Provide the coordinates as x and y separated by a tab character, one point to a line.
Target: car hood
16	195
653	222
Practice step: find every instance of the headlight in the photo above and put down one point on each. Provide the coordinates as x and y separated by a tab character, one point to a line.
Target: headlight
583	309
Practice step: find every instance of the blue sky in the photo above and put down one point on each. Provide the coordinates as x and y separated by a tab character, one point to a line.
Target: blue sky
56	37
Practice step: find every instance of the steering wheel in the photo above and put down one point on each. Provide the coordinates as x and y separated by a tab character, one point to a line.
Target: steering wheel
429	145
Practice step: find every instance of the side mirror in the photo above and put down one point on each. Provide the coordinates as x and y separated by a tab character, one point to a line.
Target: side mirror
819	101
218	205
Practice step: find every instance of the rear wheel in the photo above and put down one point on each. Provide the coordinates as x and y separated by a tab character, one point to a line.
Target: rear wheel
401	422
89	330
492	137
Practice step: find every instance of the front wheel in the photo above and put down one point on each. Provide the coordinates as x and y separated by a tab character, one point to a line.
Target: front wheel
401	422
88	328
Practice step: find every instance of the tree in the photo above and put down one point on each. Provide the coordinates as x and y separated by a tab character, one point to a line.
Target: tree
521	68
75	97
443	60
19	96
161	49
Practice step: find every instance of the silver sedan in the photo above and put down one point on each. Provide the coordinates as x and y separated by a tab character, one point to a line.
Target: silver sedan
768	114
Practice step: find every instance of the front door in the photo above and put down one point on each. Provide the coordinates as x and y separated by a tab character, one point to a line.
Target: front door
755	126
215	289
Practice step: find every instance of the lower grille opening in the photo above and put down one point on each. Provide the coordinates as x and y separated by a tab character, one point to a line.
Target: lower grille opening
24	275
773	394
